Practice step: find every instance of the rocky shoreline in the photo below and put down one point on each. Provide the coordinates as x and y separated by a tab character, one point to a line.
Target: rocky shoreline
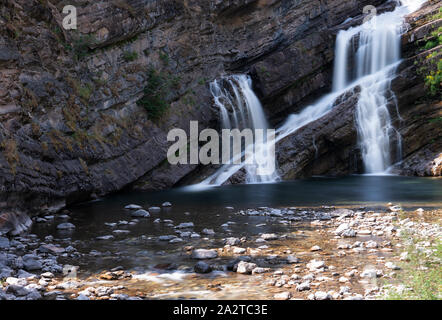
324	253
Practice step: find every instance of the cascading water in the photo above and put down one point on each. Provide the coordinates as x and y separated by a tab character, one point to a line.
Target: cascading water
240	108
367	56
371	52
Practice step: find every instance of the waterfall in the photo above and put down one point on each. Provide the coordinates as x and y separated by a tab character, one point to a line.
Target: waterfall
372	50
366	55
240	108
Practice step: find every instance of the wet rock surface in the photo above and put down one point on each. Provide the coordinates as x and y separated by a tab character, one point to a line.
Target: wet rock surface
70	126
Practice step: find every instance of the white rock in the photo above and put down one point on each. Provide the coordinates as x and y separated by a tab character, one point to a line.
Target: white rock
282	296
204	254
133	207
245	267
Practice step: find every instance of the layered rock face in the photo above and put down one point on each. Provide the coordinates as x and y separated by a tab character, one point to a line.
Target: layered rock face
70	125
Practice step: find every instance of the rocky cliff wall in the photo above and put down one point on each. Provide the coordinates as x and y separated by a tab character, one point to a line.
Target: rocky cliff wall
328	146
70	125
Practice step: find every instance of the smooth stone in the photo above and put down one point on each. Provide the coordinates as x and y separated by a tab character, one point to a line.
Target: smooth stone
204	254
321	295
176	240
133	207
48	275
239	250
315	248
202	267
50	248
259	270
4	243
185	225
208	232
65	226
303	286
166	204
232	241
245	267
141	213
269	236
31	262
121	231
166	238
282	296
17	290
315	264
155	209
108	237
292	259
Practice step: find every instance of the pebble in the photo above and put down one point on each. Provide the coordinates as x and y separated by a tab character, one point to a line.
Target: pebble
208	232
204	254
108	237
166	204
315	248
259	270
65	226
282	296
321	295
269	236
133	207
239	250
140	213
245	267
202	267
292	259
232	241
303	286
315	264
185	225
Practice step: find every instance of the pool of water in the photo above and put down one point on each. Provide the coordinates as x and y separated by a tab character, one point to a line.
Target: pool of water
141	251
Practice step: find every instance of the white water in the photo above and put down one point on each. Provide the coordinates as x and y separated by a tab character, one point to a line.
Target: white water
240	108
373	49
370	63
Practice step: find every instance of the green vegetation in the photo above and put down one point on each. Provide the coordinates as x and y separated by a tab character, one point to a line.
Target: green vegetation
11	153
436	16
155	99
129	56
433	74
81	45
421	274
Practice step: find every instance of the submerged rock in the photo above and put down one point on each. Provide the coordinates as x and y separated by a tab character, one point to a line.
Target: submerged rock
232	241
204	254
202	267
65	226
155	209
185	225
141	213
133	207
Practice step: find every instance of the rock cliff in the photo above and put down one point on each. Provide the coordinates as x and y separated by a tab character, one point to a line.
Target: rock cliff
76	114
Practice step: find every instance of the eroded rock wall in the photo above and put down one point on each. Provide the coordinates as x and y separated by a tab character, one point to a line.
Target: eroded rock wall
70	126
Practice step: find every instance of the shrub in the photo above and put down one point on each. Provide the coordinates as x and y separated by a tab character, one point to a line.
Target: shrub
129	56
155	99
